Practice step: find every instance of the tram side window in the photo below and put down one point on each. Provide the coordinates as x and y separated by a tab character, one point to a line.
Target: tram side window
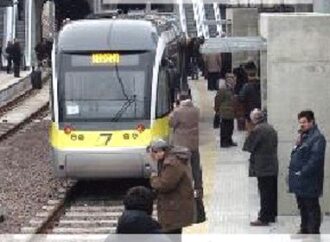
163	95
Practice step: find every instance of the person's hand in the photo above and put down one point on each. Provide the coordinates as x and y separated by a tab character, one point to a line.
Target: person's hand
198	193
153	174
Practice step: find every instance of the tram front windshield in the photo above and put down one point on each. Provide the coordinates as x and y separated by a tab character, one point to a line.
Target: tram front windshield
105	87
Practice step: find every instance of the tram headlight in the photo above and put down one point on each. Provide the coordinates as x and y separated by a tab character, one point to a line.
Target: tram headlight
140	128
68	129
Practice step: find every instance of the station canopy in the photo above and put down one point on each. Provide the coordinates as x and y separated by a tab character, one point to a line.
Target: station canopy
233	44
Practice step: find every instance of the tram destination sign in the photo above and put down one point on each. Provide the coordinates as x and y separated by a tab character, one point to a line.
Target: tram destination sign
106	58
6	3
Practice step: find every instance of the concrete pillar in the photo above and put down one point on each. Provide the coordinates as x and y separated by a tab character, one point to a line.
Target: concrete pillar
244	22
321	6
298	70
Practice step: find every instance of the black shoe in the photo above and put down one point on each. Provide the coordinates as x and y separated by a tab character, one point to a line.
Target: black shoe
225	145
233	144
259	223
273	220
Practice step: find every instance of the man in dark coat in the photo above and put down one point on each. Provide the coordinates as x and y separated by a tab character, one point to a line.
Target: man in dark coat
40	51
9	54
17	55
49	47
262	144
136	218
306	172
250	95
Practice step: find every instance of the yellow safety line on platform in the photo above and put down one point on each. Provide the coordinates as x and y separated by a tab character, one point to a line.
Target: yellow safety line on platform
208	149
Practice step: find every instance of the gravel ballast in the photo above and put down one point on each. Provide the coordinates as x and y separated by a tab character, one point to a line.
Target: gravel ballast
27	178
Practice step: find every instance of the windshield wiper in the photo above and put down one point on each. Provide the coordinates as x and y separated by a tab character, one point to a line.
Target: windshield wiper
123	109
129	100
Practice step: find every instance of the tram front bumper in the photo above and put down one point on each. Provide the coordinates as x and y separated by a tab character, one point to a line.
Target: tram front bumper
125	163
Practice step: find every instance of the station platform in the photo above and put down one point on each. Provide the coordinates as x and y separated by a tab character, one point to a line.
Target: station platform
31	106
12	87
9	79
231	198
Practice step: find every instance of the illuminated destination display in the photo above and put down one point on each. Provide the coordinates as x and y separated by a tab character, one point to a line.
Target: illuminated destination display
106	58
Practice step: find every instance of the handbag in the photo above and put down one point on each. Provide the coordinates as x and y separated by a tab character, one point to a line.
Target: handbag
200	211
216	121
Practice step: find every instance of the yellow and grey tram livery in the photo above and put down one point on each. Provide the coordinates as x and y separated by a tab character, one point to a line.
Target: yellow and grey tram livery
111	96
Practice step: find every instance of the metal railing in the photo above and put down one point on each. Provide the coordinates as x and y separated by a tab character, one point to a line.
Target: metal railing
199	13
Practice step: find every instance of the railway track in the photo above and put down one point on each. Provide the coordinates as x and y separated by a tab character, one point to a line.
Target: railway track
83	208
7	127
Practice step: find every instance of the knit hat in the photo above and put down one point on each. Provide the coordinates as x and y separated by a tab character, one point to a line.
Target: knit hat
158	144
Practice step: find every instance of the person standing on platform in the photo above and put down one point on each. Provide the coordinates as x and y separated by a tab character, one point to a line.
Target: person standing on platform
262	144
17	56
40	51
250	94
49	47
306	172
173	185
185	123
212	63
224	106
241	78
9	54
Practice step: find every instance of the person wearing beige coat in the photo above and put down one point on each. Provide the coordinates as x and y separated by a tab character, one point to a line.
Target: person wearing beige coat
213	65
185	123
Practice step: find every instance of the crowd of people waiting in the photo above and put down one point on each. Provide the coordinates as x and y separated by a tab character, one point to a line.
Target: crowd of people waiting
176	180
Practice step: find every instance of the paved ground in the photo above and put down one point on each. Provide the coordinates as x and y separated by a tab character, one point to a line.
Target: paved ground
9	79
31	105
231	197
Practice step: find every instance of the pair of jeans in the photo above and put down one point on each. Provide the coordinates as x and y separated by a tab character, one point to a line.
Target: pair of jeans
310	213
212	81
267	186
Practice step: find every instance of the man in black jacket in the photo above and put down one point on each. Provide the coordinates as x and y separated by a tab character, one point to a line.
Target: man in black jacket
306	172
250	94
9	54
17	55
262	144
136	219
